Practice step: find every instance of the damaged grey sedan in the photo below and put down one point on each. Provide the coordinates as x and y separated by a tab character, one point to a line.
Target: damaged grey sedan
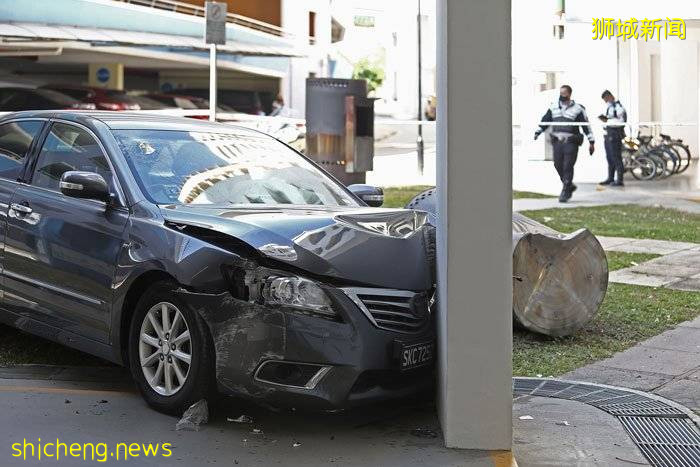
210	258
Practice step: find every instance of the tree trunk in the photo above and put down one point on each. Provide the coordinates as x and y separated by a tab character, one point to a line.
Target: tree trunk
559	280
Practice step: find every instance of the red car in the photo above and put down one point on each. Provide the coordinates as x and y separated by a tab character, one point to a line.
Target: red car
104	99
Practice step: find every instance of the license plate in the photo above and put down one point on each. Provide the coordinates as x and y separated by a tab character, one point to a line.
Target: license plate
415	355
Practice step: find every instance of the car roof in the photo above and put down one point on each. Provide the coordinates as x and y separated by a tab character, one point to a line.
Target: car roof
132	121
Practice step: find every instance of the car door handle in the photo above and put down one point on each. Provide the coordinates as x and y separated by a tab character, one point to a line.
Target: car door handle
24	209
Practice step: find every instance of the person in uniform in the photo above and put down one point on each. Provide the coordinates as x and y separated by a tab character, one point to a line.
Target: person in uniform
566	138
615	116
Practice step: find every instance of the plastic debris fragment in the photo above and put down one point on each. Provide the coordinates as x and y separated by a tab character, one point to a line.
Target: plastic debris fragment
197	414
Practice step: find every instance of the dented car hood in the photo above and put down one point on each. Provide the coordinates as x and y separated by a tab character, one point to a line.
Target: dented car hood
372	246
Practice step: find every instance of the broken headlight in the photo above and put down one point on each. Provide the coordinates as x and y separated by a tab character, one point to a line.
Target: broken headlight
297	292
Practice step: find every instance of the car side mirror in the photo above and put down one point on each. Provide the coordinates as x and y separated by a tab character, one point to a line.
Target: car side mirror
372	196
85	185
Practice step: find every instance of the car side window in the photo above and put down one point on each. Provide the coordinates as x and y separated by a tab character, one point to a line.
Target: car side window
69	147
15	140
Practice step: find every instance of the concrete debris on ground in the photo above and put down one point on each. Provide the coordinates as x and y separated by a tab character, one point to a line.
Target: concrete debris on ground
241	419
197	414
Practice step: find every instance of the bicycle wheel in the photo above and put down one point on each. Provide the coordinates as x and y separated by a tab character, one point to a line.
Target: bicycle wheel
643	167
658	162
676	156
685	157
666	161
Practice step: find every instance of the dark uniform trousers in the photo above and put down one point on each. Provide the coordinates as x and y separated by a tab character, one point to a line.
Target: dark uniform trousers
565	155
613	152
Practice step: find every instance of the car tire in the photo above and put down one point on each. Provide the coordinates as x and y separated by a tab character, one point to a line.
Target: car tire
199	377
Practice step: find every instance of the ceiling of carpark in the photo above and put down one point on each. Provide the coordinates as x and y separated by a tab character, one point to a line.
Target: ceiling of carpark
18	32
81	53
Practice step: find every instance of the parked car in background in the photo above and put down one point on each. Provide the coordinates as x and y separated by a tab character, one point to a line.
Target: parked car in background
22	98
249	102
211	257
186	102
146	103
173	100
103	99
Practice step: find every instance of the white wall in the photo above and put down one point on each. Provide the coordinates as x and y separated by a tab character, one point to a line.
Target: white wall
679	88
588	66
295	19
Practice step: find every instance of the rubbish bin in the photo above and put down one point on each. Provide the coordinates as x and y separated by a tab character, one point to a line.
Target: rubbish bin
340	127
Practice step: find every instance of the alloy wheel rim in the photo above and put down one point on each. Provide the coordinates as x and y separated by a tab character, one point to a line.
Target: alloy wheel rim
165	348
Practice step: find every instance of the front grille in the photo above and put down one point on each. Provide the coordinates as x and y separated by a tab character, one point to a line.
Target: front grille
392	310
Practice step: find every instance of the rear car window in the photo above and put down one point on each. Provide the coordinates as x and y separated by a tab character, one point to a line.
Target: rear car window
15	140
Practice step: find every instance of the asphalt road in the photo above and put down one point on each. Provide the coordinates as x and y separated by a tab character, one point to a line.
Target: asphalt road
104	408
91	412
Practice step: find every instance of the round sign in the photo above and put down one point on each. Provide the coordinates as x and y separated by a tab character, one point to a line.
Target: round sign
102	75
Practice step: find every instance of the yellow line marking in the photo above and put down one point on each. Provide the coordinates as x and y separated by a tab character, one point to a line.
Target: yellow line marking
503	459
59	390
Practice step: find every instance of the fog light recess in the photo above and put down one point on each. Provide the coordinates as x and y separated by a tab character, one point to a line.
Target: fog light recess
291	374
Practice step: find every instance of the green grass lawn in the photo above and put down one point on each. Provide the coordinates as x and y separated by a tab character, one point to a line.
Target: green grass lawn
629	314
619	260
398	197
624	220
530	195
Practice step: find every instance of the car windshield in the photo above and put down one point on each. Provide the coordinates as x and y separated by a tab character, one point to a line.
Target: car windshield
246	168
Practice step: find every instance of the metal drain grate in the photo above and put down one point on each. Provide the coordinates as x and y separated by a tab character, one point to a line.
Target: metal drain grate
654	430
549	388
665	441
671	455
665	434
642	408
601	396
525	386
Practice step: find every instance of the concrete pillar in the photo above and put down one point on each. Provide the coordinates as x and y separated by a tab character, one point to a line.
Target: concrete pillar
106	75
474	147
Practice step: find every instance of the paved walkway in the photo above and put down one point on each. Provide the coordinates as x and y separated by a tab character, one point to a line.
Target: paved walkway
667	365
642	193
677	268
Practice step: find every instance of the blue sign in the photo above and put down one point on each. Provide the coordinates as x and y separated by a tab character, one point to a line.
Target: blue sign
102	75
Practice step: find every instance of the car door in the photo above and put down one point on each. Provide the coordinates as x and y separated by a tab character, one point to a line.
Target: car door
17	138
61	251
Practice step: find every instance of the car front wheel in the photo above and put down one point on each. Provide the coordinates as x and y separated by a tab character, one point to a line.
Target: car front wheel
170	353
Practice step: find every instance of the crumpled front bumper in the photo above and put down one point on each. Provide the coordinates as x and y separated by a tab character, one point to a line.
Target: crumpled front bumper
364	366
